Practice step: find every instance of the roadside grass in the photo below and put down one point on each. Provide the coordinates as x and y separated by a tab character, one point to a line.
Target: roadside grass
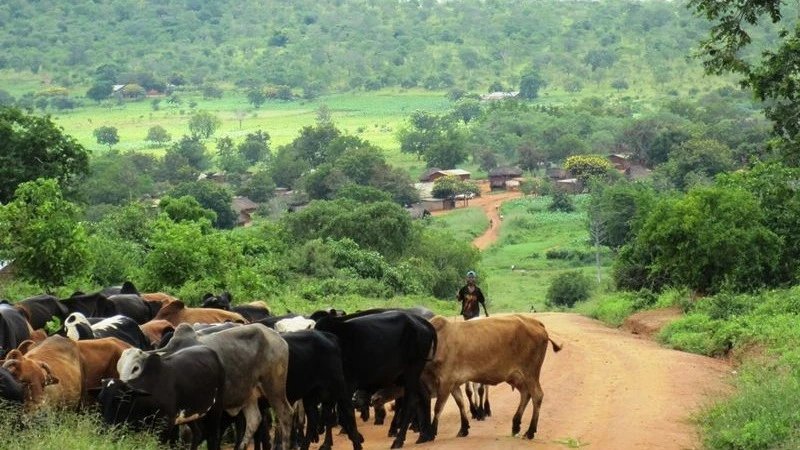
465	223
64	430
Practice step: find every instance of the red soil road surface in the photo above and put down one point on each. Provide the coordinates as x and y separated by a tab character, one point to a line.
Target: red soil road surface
608	389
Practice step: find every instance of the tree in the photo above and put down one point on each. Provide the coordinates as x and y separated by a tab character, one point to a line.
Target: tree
530	85
211	196
193	150
203	124
100	91
711	239
530	157
39	231
106	136
256	97
255	147
697	159
773	77
34	147
584	167
186	208
259	188
158	136
228	159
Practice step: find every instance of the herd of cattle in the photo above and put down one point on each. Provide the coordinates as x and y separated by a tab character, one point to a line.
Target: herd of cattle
152	363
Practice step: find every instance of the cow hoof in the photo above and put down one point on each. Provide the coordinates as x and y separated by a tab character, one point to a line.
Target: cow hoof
397	444
464	432
529	435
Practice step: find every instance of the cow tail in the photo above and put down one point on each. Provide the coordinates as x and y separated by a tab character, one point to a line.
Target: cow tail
556	346
432	353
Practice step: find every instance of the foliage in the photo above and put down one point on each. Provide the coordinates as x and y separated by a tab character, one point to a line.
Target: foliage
185	208
184	160
775	187
38	231
446	260
437	139
383	227
561	201
615	208
117	179
34	147
695	158
585	167
614	309
211	196
772	77
255	147
708	240
530	84
157	135
259	187
569	288
203	124
451	186
106	136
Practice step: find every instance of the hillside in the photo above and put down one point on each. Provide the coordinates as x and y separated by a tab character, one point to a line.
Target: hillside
333	46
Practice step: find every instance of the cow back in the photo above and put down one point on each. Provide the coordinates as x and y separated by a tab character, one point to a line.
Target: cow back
99	360
14	328
41	309
177	313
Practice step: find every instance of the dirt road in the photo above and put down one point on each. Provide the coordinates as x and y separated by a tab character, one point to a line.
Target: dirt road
607	389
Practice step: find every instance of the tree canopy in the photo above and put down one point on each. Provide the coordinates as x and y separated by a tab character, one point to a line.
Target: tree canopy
34	147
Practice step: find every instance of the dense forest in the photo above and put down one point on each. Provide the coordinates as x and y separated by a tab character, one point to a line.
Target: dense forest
322	47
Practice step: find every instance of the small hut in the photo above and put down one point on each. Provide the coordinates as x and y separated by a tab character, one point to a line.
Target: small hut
499	176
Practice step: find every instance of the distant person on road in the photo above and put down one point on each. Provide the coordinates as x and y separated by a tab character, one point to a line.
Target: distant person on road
471	298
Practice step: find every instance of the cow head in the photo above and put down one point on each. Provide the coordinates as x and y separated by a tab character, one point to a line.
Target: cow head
10	389
221	301
78	327
131	363
32	375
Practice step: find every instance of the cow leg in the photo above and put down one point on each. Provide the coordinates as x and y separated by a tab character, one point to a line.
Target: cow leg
380	414
462	409
346	416
441	398
252	418
473	410
395	423
487	410
283	410
524	398
410	403
538	396
312	424
424	414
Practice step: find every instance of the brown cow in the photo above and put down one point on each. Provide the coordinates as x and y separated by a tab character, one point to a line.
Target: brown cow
177	313
99	359
492	350
50	372
154	330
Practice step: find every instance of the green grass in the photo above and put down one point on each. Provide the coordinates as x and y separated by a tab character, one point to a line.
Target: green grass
465	223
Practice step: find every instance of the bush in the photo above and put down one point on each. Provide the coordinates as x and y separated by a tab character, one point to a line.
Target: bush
569	288
561	202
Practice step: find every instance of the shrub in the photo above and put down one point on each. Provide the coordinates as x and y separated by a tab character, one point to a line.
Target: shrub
561	202
569	288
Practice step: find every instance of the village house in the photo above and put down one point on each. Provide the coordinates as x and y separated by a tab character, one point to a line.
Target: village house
506	177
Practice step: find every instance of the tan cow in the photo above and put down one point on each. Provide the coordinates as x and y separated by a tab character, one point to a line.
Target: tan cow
50	373
177	313
498	349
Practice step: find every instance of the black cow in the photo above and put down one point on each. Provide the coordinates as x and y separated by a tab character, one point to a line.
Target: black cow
171	390
134	306
316	376
78	327
126	288
253	311
41	309
90	305
10	389
362	400
386	349
14	327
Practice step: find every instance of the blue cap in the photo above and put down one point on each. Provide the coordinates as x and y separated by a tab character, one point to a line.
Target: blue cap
471	274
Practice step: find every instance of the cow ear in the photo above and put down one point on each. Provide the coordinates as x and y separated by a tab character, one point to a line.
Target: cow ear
12	365
26	346
207	295
49	377
14	354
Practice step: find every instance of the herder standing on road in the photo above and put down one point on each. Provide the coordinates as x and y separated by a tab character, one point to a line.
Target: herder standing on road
471	298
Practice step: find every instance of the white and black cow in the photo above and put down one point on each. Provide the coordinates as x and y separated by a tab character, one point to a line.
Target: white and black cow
164	391
79	327
14	328
385	349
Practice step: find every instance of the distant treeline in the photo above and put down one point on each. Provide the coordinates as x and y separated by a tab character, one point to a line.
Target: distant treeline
317	47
